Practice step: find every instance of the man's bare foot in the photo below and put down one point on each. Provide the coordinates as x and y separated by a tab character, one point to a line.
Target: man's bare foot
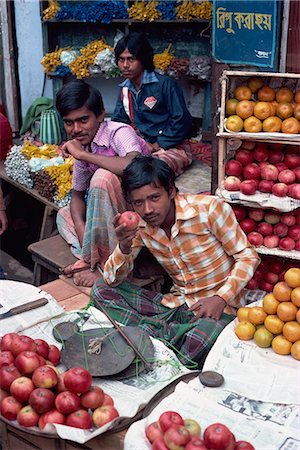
86	278
78	265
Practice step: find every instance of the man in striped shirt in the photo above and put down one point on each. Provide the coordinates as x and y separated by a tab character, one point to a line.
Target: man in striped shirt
198	241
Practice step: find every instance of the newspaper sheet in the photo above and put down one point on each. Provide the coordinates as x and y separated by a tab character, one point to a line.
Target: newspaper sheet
130	395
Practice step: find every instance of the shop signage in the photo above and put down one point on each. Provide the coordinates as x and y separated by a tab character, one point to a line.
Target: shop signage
244	32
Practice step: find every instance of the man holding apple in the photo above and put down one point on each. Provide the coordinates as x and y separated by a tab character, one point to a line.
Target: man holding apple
198	241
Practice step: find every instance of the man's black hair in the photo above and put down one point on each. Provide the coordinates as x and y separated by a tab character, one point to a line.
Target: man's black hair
139	46
145	170
75	95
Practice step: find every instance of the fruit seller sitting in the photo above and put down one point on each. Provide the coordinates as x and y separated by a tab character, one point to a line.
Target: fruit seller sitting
198	241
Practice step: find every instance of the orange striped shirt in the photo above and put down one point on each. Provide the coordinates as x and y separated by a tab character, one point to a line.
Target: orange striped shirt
207	254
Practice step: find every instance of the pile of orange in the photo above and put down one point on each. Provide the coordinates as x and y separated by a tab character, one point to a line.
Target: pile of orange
277	322
257	107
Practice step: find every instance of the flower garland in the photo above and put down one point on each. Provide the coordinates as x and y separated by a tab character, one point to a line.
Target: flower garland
105	11
80	66
162	60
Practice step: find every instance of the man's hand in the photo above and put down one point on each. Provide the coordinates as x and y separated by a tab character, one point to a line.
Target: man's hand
3	222
153	147
124	235
73	148
211	307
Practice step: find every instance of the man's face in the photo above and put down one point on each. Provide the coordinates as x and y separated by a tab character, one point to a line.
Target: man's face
154	204
82	124
131	67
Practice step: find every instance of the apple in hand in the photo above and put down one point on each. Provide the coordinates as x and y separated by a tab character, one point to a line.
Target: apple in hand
218	436
27	417
6	358
153	431
10	408
44	377
93	398
21	388
130	219
52	416
168	418
104	415
41	400
7	375
80	419
67	402
78	380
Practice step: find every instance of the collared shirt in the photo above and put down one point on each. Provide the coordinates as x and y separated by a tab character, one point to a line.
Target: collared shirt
111	139
148	77
208	253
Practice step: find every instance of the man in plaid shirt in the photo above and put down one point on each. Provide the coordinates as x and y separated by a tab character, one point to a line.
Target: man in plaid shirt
198	241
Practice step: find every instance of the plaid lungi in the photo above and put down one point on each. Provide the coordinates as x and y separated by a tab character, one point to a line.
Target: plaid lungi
134	306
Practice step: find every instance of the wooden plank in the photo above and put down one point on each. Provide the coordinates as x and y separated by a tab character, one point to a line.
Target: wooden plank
60	290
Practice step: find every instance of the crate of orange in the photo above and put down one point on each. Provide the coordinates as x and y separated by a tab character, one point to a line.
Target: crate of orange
276	323
260	105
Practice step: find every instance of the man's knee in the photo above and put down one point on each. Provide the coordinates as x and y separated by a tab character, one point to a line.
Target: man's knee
103	178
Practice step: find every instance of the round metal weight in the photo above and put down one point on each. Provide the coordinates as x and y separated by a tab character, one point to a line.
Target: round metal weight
211	378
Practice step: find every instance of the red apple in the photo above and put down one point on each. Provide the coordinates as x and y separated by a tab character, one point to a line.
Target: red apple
255	238
27	417
239	211
269	172
60	387
93	398
291	160
256	214
130	219
286	243
159	444
232	183
41	400
176	437
3	394
10	407
248	187
233	167
7	375
280	166
272	218
244	156
251	171
248	145
6	358
67	402
7	340
294	232
252	284
153	431
44	377
271	241
261	153
280	189
265	186
294	191
108	400
27	362
265	228
263	164
297	174
22	344
280	229
193	427
168	418
243	445
288	219
104	415
277	267
78	380
195	444
52	416
271	277
275	157
54	354
218	436
259	274
21	388
297	245
248	225
287	176
42	348
80	419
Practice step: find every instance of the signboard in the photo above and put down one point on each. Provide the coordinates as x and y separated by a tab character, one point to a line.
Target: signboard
244	32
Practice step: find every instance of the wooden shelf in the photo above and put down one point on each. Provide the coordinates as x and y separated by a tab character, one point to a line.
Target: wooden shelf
131	21
290	139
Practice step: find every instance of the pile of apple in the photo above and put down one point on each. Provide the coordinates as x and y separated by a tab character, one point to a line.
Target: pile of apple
277	322
34	393
271	270
172	432
256	107
272	168
268	228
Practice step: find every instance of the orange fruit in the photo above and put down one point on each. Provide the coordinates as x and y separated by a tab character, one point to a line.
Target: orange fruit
290	126
245	330
287	311
272	124
274	324
234	123
252	125
270	304
263	337
242	93
292	277
298	316
266	94
230	106
242	313
295	350
291	331
255	83
284	94
244	109
295	296
262	110
281	345
282	291
297	97
257	315
272	108
297	111
284	110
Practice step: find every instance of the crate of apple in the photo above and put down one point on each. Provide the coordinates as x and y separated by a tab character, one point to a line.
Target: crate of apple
34	393
267	168
172	432
276	323
270	229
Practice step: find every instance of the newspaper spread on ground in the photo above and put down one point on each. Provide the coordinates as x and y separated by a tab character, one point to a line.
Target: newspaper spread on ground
130	395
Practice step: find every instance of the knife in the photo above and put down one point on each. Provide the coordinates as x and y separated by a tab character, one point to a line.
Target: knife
22	308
